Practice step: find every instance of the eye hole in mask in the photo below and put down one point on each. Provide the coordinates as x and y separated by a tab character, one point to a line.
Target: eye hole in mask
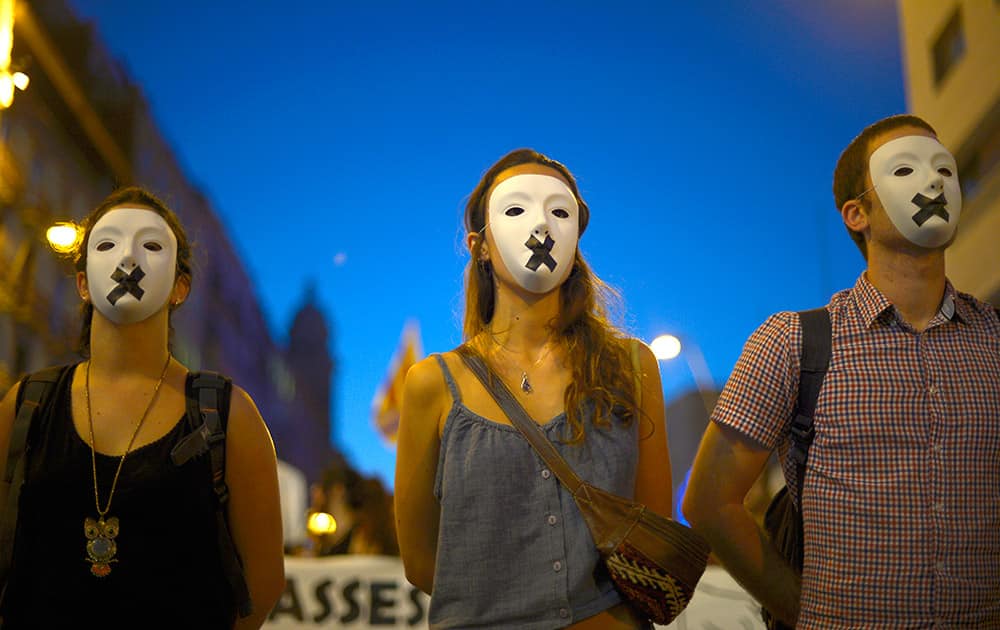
105	246
562	214
945	171
513	212
902	171
153	246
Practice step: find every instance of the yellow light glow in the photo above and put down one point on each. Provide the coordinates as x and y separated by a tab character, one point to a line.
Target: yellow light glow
6	90
63	237
666	347
21	80
6	32
320	523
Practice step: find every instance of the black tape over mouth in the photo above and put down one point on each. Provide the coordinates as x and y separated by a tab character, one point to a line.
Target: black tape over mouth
929	208
540	253
127	283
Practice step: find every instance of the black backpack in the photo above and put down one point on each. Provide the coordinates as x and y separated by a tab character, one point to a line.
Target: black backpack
783	520
208	395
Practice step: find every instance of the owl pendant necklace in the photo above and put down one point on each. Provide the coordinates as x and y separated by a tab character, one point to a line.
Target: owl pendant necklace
101	532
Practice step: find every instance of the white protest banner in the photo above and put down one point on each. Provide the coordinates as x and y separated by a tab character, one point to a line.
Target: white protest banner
347	592
719	602
371	592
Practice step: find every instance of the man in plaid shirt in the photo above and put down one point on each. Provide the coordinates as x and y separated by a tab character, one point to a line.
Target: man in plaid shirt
901	500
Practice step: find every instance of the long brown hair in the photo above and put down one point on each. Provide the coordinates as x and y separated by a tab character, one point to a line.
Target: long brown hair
597	352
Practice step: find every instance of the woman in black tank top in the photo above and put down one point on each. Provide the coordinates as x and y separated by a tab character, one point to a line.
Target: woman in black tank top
110	532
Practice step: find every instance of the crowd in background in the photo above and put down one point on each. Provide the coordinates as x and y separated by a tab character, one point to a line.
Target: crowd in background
361	511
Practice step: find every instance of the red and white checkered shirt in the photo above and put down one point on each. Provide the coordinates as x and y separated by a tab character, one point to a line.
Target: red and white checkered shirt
901	503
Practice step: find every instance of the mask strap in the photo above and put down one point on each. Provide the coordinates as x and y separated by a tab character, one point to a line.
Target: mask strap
858	198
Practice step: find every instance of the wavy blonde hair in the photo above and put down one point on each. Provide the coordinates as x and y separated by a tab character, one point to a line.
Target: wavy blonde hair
598	353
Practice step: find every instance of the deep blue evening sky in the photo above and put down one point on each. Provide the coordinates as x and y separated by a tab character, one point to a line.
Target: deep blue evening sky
338	141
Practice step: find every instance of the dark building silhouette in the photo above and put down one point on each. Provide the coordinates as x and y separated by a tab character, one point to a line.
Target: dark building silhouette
81	129
307	440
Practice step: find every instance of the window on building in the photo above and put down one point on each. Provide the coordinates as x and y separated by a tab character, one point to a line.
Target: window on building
949	47
981	162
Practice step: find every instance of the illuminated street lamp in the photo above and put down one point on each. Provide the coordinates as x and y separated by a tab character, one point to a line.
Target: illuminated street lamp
321	523
667	347
63	237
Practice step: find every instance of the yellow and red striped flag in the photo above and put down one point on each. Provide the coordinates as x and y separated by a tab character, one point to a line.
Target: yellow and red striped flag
389	396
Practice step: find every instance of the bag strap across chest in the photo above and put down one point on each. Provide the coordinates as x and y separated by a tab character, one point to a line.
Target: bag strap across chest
522	421
608	526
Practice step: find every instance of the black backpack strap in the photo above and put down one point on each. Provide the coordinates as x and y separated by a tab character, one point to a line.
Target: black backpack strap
208	396
36	390
206	393
814	361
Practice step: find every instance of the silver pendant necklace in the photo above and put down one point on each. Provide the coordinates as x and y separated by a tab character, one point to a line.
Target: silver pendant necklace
525	382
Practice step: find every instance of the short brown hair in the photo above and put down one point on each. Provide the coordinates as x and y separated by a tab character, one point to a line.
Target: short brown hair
849	175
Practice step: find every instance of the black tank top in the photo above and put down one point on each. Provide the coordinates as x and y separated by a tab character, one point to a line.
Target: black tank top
169	571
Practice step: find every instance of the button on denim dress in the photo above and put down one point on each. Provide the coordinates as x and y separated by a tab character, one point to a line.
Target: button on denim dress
513	549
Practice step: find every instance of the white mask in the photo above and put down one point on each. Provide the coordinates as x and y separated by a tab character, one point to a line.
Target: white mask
535	222
917	182
131	263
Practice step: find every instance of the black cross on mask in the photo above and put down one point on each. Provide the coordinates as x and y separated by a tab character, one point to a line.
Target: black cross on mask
540	253
929	207
127	283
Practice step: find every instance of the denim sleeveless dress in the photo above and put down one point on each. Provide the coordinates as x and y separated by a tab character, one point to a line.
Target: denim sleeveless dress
513	549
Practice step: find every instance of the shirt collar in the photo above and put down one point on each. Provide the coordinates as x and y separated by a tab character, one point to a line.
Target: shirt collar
953	307
870	301
873	304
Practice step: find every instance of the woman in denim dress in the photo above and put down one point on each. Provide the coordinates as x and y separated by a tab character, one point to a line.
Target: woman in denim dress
484	526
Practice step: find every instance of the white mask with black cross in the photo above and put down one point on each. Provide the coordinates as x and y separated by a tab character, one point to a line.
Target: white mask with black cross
535	222
131	264
916	179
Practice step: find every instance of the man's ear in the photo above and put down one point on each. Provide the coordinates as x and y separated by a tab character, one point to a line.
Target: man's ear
855	215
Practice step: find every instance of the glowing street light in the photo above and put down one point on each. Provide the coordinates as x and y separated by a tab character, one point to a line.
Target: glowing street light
665	347
321	523
63	237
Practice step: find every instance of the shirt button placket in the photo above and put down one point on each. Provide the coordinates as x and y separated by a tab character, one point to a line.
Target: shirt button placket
557	566
935	474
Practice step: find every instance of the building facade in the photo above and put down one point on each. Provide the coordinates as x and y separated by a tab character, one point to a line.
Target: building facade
950	53
81	129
